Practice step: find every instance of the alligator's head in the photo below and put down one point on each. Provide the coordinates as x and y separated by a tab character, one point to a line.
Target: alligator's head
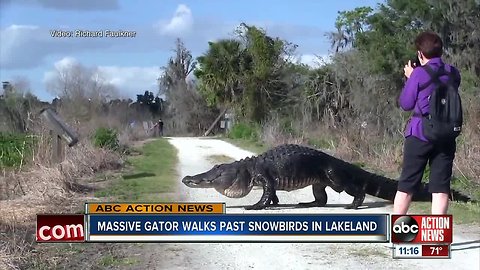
232	180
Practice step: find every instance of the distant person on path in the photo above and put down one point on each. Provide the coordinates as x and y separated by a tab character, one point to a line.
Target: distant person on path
418	150
159	126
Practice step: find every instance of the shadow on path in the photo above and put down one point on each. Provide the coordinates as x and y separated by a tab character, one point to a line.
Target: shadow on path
477	242
137	175
366	205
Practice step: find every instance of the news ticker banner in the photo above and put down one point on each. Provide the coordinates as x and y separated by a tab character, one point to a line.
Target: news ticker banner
412	236
206	222
237	228
422	236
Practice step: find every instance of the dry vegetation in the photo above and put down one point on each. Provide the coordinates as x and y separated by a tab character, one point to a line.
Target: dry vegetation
42	187
36	184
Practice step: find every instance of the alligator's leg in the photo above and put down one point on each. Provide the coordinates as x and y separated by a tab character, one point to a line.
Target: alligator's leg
358	196
337	178
274	198
268	193
320	196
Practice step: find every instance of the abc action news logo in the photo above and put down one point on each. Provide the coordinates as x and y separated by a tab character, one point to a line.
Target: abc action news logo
60	228
422	228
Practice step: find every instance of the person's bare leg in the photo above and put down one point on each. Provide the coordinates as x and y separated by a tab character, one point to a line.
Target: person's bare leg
439	203
401	203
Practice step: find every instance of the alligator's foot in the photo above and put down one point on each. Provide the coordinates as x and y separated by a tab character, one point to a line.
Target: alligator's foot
352	206
320	196
358	198
258	206
274	200
313	204
356	203
255	207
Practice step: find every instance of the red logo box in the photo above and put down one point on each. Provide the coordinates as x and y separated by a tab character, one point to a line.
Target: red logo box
60	228
422	229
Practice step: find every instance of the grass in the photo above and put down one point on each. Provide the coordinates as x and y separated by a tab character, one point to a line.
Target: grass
321	143
110	260
150	176
466	187
100	256
248	144
463	213
152	173
14	148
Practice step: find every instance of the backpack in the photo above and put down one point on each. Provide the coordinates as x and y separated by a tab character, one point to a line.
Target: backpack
445	120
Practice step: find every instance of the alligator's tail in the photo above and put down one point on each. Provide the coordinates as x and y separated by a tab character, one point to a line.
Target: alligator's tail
423	195
379	186
386	188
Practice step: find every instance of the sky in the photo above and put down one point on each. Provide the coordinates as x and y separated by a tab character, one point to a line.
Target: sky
133	64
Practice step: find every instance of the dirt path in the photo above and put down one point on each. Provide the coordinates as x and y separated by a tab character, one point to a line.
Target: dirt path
194	153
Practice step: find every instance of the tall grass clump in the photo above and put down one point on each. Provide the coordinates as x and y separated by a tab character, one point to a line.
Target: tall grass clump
106	138
14	149
245	131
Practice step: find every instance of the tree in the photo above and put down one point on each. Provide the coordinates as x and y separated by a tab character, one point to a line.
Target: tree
372	47
177	69
245	73
348	25
75	81
456	22
186	109
18	104
220	72
386	35
153	104
82	90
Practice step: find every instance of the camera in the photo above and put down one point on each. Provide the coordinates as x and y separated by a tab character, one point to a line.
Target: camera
415	62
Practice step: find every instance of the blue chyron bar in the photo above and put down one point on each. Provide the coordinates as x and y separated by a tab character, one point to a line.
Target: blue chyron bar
312	228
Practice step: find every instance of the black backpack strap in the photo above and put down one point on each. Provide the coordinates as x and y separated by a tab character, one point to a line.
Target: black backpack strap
434	75
434	78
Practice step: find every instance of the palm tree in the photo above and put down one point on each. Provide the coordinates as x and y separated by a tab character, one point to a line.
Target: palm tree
220	70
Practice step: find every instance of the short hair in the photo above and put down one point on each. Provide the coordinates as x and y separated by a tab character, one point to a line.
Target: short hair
430	44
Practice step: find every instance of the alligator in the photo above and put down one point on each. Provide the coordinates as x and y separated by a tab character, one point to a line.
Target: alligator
291	167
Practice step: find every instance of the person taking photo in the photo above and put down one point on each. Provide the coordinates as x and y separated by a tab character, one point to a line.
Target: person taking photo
421	83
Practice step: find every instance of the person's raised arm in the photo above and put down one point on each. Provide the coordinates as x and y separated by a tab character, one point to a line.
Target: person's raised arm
409	93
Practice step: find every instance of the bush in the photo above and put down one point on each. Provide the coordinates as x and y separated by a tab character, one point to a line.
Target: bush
244	131
14	149
106	138
286	125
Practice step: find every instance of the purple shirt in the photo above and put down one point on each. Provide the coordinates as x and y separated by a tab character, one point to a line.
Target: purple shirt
413	99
